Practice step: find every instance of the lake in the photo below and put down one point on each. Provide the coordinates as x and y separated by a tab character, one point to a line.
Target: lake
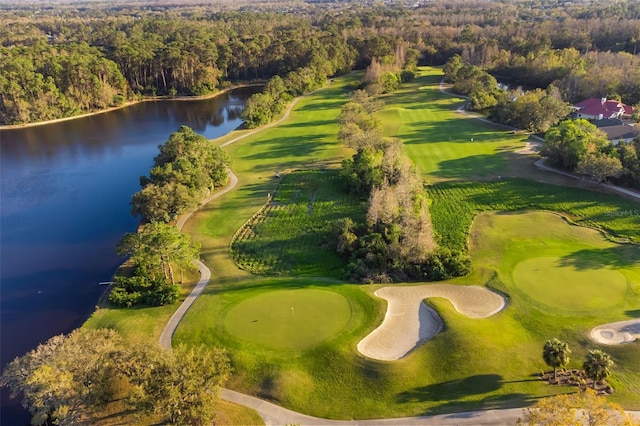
65	190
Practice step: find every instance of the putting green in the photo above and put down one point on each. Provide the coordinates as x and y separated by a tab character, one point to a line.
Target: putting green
554	282
289	319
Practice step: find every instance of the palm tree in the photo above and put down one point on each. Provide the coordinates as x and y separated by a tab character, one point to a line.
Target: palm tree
556	354
597	366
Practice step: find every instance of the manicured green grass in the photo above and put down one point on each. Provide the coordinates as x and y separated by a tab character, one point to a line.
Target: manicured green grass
443	143
289	319
292	233
556	282
473	364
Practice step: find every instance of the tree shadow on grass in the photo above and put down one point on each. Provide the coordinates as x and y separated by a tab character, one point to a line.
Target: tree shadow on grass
315	106
493	402
452	391
474	165
290	148
621	256
308	124
635	313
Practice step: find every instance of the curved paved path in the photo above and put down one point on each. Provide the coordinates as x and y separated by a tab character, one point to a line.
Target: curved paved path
205	273
409	323
276	415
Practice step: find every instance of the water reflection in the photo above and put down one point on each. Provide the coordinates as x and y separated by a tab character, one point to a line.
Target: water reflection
65	190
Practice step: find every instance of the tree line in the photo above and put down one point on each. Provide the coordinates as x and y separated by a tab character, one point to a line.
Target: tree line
579	146
264	107
120	53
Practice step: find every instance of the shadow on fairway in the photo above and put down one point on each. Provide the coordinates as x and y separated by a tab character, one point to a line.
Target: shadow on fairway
287	147
595	258
318	123
450	393
474	165
454	389
635	313
494	402
316	106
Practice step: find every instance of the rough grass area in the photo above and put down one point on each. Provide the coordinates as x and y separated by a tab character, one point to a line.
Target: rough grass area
291	234
289	319
456	203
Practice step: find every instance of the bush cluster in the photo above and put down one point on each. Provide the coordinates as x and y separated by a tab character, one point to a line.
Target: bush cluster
142	289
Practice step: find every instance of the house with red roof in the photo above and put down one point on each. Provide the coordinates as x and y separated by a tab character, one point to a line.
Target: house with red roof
601	108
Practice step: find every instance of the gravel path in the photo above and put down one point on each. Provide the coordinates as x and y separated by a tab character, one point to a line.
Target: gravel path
409	323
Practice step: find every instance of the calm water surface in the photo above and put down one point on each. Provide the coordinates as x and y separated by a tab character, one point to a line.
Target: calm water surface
65	190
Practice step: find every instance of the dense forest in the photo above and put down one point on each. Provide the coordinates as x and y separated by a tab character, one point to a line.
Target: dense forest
59	60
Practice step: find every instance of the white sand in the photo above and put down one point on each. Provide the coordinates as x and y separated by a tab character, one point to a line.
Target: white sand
617	333
409	322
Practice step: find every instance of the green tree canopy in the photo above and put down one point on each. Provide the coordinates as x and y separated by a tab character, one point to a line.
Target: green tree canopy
598	365
186	170
70	378
571	141
158	247
556	354
535	110
600	167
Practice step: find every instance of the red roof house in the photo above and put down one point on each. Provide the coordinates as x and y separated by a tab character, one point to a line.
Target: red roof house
599	108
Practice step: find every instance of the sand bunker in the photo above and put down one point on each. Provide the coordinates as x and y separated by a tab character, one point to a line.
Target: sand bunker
617	333
409	322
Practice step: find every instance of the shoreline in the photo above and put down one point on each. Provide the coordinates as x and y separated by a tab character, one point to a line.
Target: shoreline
128	104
